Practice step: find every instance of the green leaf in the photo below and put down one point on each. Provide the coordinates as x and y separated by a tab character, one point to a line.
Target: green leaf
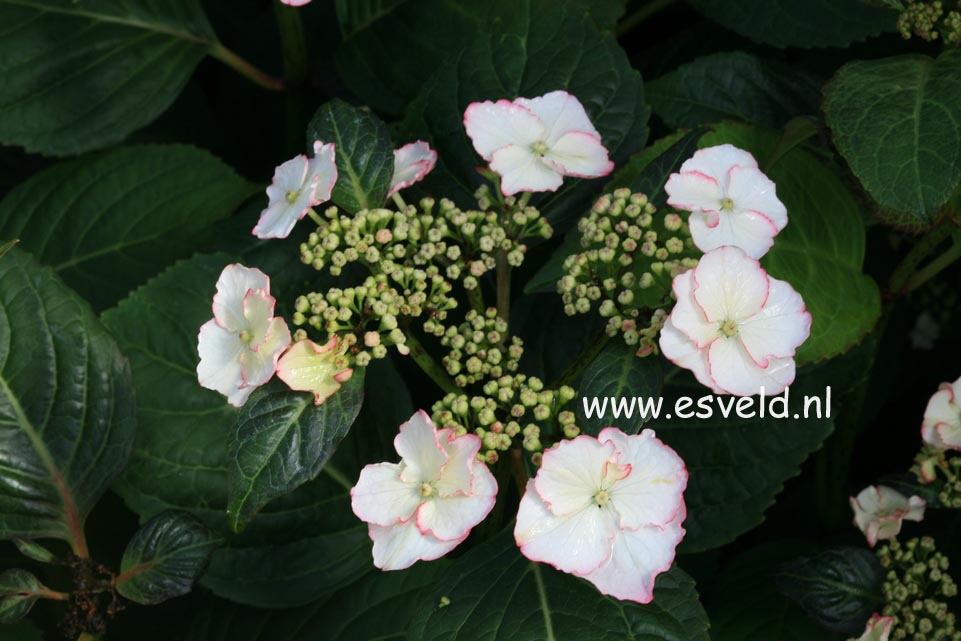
164	558
617	374
733	86
355	15
283	440
529	48
839	588
897	121
18	592
66	405
109	222
83	75
23	630
812	23
376	608
7	246
821	251
33	550
495	593
365	156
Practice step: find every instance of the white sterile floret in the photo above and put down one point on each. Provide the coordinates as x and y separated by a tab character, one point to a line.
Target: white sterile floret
411	163
298	184
879	512
941	427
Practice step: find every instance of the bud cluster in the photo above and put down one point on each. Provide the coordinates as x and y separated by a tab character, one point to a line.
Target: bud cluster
510	406
928	21
628	260
917	589
932	463
479	350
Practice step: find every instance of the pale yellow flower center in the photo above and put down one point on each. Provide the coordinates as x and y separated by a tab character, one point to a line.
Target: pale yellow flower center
292	196
602	498
727	204
246	336
426	490
539	148
728	328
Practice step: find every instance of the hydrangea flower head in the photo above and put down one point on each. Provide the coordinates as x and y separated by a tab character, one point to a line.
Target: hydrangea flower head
299	184
735	327
318	369
240	346
423	507
533	143
731	201
941	427
880	510
878	629
608	509
411	163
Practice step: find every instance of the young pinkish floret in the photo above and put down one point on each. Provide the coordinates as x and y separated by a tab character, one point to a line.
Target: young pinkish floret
880	510
318	369
411	163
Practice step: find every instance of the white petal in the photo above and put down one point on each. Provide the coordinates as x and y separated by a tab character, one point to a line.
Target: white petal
260	363
717	162
420	449
457	474
258	311
411	163
451	518
382	498
878	629
637	557
748	230
683	352
735	372
232	287
729	285
578	542
561	113
322	172
751	190
687	316
779	328
290	176
941	426
693	191
309	367
572	472
397	547
278	220
494	125
652	494
219	367
523	170
579	154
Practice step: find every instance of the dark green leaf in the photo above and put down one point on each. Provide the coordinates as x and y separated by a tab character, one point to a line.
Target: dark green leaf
620	383
18	592
897	121
733	86
788	23
79	76
33	550
66	405
365	157
495	593
839	588
355	15
164	558
109	222
7	246
281	441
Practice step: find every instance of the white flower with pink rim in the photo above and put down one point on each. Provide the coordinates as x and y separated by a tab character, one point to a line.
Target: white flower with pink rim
318	369
423	507
879	512
240	346
877	629
412	162
298	184
731	201
534	143
608	509
941	427
735	327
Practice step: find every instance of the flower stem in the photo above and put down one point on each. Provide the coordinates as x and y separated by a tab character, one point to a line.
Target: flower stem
246	69
905	271
429	365
517	467
398	200
314	216
572	373
503	286
646	10
933	268
293	43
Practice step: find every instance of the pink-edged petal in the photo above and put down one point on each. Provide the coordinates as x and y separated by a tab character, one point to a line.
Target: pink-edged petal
420	449
382	498
717	162
948	436
747	230
322	172
296	3
579	154
523	170
451	518
687	316
751	190
288	176
779	328
735	372
579	542
457	474
232	286
278	220
653	492
878	629
561	113
729	285
260	364
494	125
637	558
572	472
399	546
219	367
683	352
411	163
309	367
941	427
693	191
258	308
